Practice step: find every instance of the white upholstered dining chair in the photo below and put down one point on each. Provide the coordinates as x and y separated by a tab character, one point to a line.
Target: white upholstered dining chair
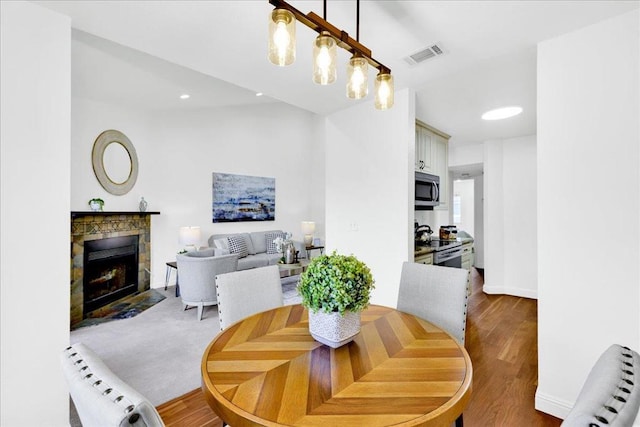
437	294
246	292
101	398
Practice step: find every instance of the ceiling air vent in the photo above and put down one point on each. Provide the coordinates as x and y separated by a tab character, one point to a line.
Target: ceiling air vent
424	54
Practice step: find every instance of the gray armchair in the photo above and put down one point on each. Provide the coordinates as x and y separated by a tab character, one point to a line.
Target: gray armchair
198	272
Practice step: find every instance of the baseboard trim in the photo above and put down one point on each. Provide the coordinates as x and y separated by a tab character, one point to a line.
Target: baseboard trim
553	406
516	292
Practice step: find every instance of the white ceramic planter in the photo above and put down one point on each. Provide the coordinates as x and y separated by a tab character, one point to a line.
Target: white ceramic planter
333	329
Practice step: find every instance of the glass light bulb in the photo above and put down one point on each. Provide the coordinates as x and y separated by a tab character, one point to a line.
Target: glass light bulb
384	91
323	60
324	64
357	78
282	37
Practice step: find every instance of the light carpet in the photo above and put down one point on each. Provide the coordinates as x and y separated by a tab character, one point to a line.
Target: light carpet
159	351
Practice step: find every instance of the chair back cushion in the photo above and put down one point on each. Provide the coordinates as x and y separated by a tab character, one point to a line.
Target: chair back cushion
436	294
611	394
246	292
201	253
101	398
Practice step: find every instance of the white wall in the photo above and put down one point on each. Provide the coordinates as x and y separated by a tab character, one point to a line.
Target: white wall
510	225
470	154
35	116
478	237
369	186
588	182
179	150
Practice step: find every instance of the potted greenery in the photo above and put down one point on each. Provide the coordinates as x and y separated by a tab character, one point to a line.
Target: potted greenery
335	289
96	204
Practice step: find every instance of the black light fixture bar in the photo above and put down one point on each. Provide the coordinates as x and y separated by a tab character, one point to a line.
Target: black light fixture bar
318	24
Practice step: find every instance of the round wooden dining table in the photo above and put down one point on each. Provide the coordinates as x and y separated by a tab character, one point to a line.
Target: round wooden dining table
399	370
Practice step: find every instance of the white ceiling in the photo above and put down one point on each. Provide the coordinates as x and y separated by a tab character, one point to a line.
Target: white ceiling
216	52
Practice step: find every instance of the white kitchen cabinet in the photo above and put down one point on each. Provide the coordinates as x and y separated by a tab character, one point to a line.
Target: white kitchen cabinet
423	149
424	259
439	148
467	256
432	156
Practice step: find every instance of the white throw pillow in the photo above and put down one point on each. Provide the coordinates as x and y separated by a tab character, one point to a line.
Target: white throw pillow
221	243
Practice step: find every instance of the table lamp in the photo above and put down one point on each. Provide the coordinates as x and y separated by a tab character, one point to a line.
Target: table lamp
189	237
308	227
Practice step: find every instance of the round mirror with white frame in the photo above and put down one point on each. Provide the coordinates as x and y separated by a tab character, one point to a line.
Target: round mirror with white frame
115	162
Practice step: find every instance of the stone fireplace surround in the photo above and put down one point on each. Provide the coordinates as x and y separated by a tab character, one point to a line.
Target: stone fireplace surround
101	225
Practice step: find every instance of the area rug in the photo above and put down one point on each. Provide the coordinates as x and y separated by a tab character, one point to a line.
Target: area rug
125	309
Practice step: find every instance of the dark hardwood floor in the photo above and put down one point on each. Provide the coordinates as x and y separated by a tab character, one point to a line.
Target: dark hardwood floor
502	341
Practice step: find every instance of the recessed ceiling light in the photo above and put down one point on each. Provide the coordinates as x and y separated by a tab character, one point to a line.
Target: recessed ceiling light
259	94
185	96
502	113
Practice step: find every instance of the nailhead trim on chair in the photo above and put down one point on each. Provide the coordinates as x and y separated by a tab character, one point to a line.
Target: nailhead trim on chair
610	409
106	389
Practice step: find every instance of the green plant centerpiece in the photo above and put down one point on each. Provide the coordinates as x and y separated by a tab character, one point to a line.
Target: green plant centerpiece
335	289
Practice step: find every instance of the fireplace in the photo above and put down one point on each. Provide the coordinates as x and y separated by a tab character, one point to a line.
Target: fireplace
110	271
110	260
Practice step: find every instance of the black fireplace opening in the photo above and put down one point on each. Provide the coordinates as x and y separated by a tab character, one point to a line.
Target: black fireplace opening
110	271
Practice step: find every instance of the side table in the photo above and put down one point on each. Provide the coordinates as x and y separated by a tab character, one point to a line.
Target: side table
313	248
170	266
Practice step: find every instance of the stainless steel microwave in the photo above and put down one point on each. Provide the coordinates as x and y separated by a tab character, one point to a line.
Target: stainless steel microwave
427	191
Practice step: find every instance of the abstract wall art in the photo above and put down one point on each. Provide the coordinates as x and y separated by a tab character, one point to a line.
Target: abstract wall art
243	198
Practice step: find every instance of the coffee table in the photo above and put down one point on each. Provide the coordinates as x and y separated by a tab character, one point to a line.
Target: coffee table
287	270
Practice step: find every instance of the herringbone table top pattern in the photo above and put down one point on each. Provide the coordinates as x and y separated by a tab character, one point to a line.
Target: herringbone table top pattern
399	370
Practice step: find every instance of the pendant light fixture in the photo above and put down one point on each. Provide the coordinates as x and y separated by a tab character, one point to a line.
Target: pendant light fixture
357	77
384	91
358	68
282	37
324	56
282	52
324	59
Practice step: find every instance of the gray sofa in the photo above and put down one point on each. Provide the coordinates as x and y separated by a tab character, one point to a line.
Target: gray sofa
256	243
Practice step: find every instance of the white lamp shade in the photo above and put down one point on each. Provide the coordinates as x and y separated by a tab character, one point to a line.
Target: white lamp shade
189	236
308	227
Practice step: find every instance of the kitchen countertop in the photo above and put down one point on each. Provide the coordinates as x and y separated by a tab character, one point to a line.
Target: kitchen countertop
422	250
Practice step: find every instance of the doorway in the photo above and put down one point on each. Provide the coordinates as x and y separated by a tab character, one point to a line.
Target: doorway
467	210
463	205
